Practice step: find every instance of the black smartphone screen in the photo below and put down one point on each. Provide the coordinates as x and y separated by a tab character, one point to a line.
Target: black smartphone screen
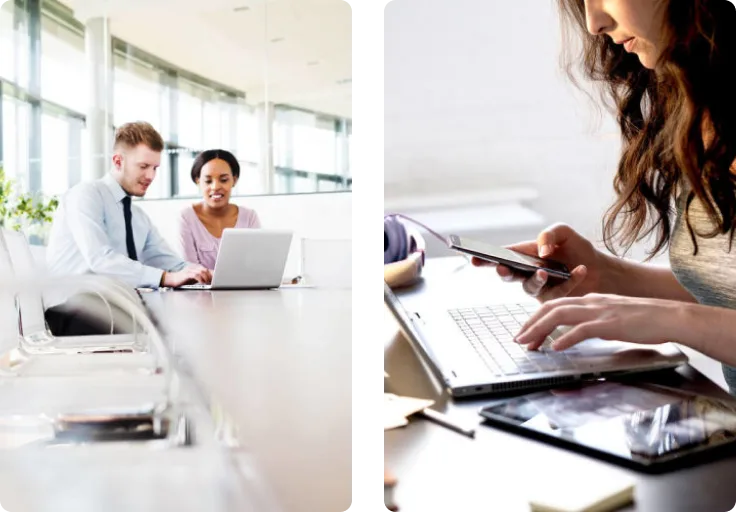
512	258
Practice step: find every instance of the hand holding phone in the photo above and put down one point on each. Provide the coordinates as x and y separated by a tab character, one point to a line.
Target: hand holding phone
591	270
518	261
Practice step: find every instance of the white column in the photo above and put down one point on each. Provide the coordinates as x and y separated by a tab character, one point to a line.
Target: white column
265	116
98	50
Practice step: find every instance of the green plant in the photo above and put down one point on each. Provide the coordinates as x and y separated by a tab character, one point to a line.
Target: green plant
20	209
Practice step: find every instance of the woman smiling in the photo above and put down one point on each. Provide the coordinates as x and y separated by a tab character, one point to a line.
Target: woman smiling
216	172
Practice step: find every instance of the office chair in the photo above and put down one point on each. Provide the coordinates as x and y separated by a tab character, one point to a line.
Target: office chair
9	321
35	335
157	418
19	357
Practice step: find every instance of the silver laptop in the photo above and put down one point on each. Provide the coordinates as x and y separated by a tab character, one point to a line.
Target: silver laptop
249	259
472	351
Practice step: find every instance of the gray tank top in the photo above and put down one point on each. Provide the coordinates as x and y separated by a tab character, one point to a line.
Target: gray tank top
710	276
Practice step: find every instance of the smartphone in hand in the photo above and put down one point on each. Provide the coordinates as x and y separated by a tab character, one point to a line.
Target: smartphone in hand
508	257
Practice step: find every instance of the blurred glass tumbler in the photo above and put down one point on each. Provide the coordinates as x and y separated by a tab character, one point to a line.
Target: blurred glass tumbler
327	263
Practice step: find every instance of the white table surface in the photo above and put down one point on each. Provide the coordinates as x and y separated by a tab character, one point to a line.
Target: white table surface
279	361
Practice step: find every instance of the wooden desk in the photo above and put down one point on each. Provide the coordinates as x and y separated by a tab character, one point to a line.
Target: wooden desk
280	363
438	469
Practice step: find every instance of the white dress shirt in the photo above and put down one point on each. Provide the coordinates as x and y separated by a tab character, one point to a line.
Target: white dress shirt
88	236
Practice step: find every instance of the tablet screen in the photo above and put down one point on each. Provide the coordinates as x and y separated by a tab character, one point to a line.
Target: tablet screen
644	424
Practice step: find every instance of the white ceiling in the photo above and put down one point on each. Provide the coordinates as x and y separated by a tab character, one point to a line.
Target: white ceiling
288	51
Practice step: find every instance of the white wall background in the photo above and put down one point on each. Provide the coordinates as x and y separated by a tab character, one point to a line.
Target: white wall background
475	99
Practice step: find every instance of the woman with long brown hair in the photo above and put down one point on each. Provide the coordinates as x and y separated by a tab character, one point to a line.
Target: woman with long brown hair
668	68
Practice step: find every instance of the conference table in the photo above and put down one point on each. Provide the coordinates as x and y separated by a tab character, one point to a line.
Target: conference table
263	379
278	363
439	469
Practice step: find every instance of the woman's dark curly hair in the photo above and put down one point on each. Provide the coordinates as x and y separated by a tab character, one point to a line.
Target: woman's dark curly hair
678	121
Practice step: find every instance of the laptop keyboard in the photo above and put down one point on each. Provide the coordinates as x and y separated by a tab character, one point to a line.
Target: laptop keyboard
490	331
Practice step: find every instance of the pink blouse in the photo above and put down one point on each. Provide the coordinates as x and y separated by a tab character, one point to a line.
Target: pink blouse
199	245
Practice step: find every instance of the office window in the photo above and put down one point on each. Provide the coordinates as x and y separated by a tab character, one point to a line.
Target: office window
248	141
7	42
14	42
187	188
191	112
228	119
190	115
161	186
143	92
63	66
251	180
315	144
327	186
55	156
281	184
216	132
248	151
282	153
138	94
314	147
16	144
302	184
305	141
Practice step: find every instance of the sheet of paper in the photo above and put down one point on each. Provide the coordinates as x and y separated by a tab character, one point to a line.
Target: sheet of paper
397	408
605	491
392	422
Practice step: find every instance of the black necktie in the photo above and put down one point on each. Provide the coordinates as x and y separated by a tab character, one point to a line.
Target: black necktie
129	229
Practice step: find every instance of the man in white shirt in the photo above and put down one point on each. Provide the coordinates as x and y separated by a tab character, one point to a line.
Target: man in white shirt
97	230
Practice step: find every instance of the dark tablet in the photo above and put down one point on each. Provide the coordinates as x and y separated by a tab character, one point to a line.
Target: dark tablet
644	427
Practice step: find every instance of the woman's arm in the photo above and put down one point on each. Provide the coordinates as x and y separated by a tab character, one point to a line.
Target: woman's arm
707	329
592	270
626	277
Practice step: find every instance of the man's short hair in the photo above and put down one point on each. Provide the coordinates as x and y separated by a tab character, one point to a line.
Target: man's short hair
131	135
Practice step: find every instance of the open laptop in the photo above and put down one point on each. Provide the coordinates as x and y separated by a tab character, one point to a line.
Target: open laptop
468	343
249	259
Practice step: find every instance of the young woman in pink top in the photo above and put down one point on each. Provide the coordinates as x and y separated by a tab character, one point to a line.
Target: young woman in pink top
216	172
